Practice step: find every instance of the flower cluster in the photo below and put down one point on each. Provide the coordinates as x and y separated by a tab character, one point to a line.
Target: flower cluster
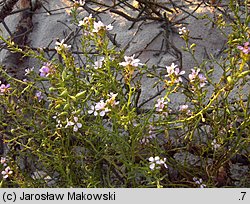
160	105
174	74
101	108
183	30
184	33
92	27
130	61
58	121
215	145
245	48
199	182
39	96
7	170
99	63
129	65
157	162
46	70
80	2
111	100
28	71
76	125
61	46
196	76
86	21
99	26
184	109
4	88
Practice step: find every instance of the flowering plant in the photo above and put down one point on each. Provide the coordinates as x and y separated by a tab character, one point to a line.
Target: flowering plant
92	118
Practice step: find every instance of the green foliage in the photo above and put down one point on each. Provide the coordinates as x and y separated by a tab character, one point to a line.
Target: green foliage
80	126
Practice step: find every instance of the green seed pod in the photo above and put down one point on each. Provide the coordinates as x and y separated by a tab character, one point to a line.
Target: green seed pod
243	74
64	93
73	98
229	80
66	107
58	106
80	95
63	113
52	89
64	75
192	46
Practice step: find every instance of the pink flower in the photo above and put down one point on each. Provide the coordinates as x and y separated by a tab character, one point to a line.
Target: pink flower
184	109
39	96
196	75
7	171
4	88
3	161
245	48
130	61
174	71
75	124
45	70
99	109
171	69
160	104
202	79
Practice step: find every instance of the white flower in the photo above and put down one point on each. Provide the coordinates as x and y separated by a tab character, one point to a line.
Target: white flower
199	182
62	46
98	26
160	104
184	109
174	71
59	122
130	61
75	124
81	23
39	96
81	2
215	144
182	30
156	162
92	110
195	74
100	108
85	21
112	100
203	80
3	161
28	71
171	69
7	171
99	63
